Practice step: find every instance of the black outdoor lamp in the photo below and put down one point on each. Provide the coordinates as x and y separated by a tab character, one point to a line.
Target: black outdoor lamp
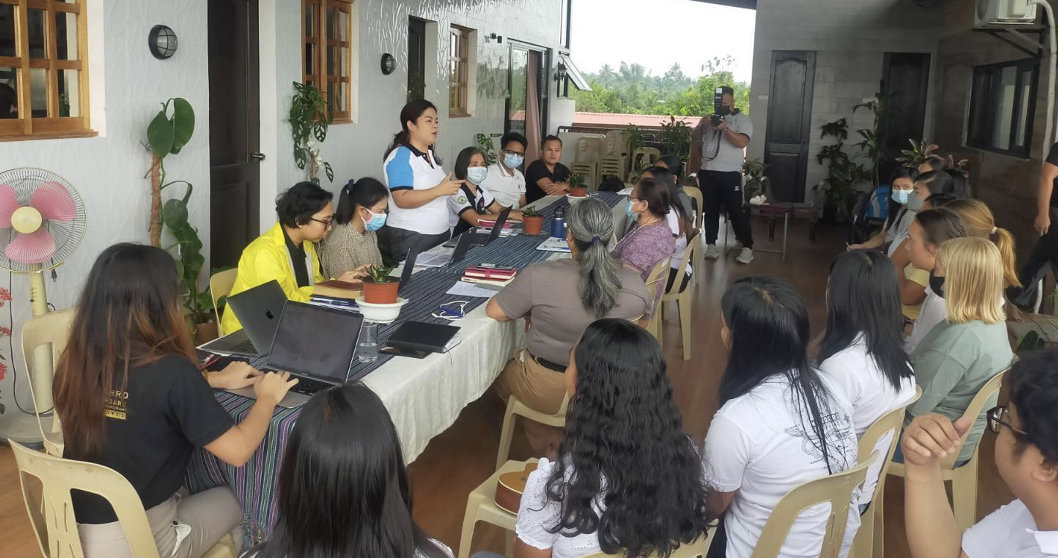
162	42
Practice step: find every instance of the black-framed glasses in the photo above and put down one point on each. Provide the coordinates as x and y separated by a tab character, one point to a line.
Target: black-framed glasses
325	222
997	416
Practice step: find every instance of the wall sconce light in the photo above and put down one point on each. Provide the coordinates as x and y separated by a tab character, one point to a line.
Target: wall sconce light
560	72
494	37
388	64
162	42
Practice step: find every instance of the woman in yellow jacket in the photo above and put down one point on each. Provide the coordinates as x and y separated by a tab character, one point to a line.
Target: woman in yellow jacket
286	253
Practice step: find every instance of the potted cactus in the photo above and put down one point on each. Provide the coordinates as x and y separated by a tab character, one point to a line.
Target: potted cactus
532	221
379	287
577	189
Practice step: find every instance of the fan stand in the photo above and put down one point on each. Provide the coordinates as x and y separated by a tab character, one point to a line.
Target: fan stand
16	425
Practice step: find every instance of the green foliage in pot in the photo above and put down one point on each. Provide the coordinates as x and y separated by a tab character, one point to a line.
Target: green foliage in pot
380	273
756	182
576	180
486	144
310	116
676	138
530	212
873	140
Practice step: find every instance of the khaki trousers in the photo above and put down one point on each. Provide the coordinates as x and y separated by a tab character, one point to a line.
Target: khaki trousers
210	515
541	389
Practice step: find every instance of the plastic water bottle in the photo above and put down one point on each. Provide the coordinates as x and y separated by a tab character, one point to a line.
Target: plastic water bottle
558	224
367	349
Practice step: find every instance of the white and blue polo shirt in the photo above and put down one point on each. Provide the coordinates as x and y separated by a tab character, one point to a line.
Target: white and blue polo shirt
408	168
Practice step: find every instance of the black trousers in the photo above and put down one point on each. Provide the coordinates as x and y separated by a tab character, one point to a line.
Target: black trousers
1045	252
724	189
394	243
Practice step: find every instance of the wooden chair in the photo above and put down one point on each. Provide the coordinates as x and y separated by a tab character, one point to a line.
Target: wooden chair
52	329
515	409
656	280
836	489
870	538
964	479
220	285
683	299
53	521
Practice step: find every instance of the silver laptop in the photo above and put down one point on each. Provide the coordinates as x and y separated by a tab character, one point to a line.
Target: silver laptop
316	345
258	310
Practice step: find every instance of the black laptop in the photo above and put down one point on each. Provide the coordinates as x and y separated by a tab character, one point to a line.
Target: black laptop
316	345
258	310
409	268
483	238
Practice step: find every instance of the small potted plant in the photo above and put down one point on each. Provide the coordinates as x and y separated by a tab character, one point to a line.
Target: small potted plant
577	189
379	287
532	221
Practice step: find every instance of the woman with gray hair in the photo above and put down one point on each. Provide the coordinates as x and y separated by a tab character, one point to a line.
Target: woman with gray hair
556	314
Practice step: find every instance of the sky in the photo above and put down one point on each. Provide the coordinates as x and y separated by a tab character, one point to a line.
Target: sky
657	33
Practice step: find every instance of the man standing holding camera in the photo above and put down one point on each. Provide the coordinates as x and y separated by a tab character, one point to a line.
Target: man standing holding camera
722	138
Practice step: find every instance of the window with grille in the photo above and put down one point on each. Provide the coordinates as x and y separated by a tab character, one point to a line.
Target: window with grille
459	71
43	69
327	38
1002	107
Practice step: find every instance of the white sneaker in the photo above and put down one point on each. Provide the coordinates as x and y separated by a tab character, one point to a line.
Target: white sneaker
745	257
712	252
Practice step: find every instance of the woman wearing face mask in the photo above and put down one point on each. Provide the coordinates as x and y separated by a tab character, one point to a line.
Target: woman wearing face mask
899	215
650	239
473	202
353	244
930	229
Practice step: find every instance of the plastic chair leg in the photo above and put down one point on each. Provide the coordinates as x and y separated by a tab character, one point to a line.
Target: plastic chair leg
506	434
469	521
964	494
684	306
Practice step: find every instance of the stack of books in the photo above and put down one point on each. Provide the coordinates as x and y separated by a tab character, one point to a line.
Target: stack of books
489	275
334	302
338	289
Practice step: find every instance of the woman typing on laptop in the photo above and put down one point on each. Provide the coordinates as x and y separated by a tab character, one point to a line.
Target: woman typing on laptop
286	252
132	399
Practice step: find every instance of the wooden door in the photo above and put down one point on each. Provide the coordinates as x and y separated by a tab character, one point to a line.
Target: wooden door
789	122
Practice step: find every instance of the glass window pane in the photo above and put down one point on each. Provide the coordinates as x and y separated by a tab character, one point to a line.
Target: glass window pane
38	92
331	16
310	59
343	97
69	93
343	26
330	60
66	35
343	62
308	20
1004	108
8	93
452	98
36	34
1023	115
7	30
979	105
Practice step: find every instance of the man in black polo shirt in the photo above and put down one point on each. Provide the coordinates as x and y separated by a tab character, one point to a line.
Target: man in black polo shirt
1046	251
546	176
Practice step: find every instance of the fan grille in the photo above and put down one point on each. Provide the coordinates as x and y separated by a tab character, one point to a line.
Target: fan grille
67	234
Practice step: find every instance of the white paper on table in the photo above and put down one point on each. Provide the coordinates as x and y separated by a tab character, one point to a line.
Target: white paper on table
554	245
433	259
462	288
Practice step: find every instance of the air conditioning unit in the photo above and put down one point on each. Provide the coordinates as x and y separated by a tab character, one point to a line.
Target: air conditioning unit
990	13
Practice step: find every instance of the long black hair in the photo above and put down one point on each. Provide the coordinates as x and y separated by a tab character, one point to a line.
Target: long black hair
666	175
656	193
894	208
410	113
864	299
946	182
769	338
343	488
365	193
675	166
624	442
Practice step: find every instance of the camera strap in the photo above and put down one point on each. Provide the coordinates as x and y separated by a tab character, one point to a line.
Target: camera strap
711	143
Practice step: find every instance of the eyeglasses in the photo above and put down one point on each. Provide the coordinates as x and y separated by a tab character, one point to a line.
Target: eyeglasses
995	419
329	222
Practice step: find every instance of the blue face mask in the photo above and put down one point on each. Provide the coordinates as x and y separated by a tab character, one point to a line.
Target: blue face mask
477	174
376	221
513	160
628	210
900	196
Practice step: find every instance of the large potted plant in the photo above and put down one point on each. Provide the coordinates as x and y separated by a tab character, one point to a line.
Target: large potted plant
167	135
532	221
310	117
379	287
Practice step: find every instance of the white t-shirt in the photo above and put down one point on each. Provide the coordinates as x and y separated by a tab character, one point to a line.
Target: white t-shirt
538	514
681	242
508	189
408	168
1009	532
729	158
464	200
760	447
866	387
934	311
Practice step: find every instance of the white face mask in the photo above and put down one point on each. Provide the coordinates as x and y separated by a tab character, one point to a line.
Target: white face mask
477	174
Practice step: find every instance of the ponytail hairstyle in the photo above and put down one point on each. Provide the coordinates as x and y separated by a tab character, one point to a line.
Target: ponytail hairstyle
979	222
656	194
590	225
665	174
365	193
410	113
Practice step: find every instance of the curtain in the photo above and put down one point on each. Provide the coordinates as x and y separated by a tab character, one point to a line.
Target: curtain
532	107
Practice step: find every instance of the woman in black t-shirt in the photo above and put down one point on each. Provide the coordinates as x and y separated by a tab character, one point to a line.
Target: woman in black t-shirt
132	398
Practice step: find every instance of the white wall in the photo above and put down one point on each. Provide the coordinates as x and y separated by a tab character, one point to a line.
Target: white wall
109	170
355	150
850	39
